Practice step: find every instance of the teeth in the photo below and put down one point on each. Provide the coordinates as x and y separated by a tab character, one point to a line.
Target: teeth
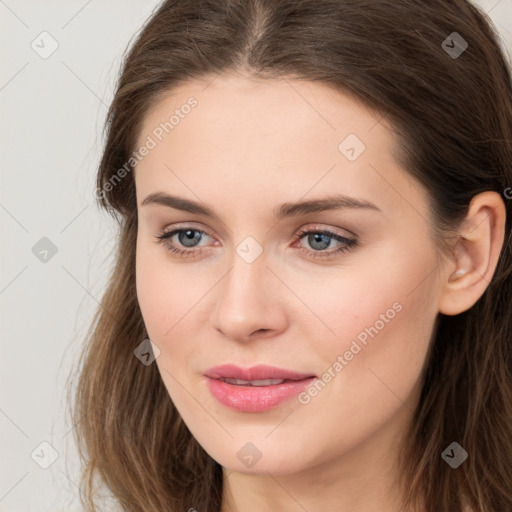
266	382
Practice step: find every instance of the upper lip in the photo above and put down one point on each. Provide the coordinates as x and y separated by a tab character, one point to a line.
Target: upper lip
258	372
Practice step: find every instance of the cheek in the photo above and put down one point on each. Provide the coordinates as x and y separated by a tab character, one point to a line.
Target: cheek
151	290
377	318
171	299
370	289
390	316
157	292
382	319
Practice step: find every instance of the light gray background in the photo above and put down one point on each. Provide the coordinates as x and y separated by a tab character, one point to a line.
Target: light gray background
52	113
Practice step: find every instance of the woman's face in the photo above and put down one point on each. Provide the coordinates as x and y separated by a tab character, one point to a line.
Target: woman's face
345	295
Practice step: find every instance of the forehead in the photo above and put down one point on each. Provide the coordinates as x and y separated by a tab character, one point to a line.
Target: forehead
231	102
286	136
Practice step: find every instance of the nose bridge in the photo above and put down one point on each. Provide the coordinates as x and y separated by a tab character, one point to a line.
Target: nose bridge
245	298
245	283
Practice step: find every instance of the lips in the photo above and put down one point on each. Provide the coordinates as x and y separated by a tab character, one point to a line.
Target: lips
255	375
256	389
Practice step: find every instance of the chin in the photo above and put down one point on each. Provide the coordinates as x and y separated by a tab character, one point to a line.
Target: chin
250	460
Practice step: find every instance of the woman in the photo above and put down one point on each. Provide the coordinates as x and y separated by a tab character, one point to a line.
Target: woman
310	304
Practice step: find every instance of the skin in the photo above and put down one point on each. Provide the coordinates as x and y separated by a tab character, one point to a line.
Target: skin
248	146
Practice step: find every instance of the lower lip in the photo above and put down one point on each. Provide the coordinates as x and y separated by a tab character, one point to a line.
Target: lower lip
255	398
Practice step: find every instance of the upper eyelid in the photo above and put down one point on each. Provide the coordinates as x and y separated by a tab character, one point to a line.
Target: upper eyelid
178	227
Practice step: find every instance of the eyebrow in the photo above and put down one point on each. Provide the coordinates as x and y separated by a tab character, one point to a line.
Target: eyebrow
333	202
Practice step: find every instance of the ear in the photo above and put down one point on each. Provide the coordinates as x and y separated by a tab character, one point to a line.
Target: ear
475	255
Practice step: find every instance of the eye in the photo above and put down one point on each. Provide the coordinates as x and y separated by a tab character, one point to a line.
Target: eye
321	239
188	239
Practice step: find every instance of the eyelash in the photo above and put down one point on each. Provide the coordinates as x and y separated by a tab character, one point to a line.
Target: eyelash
350	243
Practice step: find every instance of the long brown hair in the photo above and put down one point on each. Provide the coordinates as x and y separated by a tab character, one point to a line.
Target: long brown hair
453	115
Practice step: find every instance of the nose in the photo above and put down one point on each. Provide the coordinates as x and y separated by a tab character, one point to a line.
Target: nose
249	302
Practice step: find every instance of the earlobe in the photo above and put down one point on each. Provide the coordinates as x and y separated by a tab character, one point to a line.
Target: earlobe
475	254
